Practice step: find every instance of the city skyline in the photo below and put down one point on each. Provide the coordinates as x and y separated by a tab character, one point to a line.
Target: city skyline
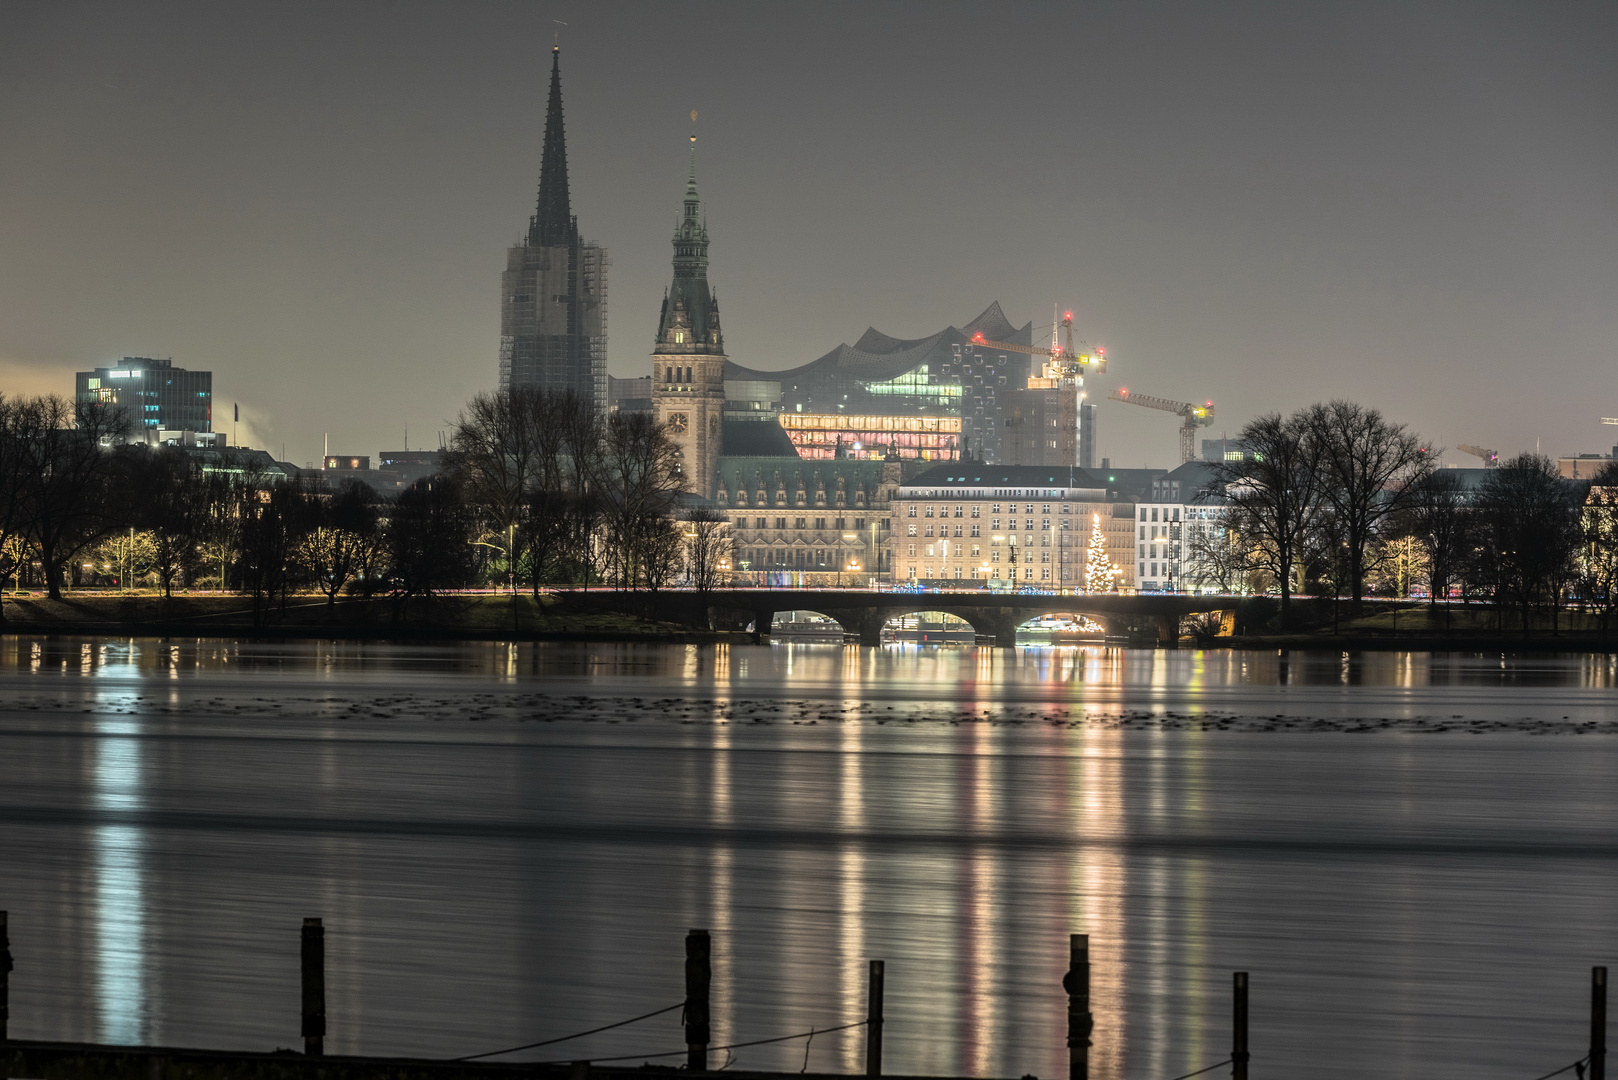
1399	207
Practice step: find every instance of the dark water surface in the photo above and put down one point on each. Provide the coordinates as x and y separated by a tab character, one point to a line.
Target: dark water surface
1414	855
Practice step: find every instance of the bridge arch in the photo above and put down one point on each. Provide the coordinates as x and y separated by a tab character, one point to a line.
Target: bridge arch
806	624
1074	624
932	624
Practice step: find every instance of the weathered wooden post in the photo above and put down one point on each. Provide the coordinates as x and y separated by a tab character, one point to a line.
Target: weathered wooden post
5	996
5	978
1079	1021
314	987
1598	1023
1238	1042
698	976
873	1022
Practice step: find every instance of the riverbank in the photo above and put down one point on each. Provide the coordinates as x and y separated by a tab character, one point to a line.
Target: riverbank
682	618
552	617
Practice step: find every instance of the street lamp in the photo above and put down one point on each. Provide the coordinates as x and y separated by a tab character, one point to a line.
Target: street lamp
507	552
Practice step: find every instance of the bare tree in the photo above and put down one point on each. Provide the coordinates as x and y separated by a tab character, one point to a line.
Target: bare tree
1213	560
14	461
661	550
1598	557
709	547
1438	518
222	499
638	487
344	543
583	440
427	539
1368	467
66	469
494	454
167	506
1274	497
273	525
1528	518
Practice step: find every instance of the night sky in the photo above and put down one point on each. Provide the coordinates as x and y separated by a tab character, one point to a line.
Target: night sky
1413	205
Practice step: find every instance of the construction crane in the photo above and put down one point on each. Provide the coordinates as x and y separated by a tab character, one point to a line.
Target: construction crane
1192	417
1491	458
1610	420
1060	355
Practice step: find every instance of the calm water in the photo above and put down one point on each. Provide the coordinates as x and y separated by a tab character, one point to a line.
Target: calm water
1413	855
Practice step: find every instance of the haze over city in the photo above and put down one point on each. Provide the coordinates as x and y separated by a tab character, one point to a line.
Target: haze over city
1261	205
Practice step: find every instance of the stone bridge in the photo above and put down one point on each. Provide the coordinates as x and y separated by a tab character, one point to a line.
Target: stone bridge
1153	618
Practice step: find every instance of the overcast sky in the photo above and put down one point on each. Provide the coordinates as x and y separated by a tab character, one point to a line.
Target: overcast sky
1415	206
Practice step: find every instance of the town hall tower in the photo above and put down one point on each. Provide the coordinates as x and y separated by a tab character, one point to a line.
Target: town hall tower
688	359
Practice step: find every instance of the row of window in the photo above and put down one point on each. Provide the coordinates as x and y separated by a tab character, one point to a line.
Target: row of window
1172	513
993	573
1011	508
942	551
803	523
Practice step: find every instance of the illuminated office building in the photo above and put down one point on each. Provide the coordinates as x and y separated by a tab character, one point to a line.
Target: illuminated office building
946	374
156	395
819	436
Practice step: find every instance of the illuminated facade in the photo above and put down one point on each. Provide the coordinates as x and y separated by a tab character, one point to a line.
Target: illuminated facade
946	374
817	523
157	395
823	436
1181	507
553	304
688	360
966	525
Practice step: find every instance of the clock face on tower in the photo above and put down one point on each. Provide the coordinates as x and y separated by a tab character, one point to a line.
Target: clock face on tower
679	423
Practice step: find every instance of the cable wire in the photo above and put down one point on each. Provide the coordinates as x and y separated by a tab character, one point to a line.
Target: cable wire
568	1038
1210	1068
1576	1065
732	1046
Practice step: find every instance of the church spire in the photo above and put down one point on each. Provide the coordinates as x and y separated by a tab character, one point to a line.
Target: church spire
553	222
690	291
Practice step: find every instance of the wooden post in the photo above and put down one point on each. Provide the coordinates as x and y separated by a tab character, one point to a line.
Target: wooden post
314	987
873	1022
1238	1042
5	978
698	976
5	997
1079	1021
1598	1023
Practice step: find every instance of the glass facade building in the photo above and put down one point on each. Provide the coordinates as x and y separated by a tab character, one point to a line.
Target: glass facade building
157	395
948	374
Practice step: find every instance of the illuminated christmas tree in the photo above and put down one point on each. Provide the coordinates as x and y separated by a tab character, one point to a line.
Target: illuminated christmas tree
1097	570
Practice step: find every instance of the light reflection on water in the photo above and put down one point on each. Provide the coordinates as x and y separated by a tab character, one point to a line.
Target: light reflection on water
493	869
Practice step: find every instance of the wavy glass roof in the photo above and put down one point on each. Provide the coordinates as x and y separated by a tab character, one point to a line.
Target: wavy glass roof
879	357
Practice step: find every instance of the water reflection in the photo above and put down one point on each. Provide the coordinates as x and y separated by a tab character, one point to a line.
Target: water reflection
120	911
484	850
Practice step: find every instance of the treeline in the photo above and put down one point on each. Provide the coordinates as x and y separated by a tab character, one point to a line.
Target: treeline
1337	500
535	488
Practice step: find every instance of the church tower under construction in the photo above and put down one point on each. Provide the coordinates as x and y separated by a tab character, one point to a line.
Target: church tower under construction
553	304
688	358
